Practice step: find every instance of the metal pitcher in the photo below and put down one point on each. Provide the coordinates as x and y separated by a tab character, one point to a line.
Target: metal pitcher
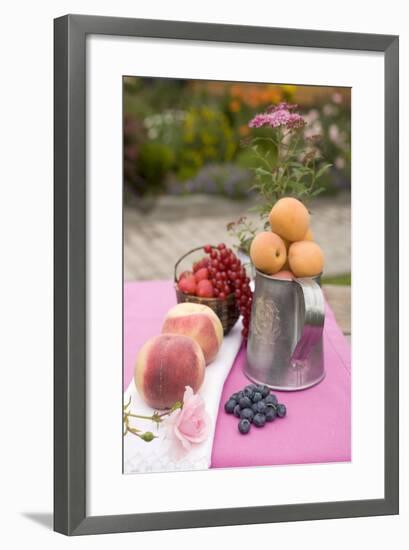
285	349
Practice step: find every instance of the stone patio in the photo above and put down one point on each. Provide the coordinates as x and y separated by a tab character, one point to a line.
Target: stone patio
153	241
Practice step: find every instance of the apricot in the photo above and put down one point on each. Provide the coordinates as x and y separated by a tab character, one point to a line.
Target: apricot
199	322
289	218
268	253
308	236
165	365
306	259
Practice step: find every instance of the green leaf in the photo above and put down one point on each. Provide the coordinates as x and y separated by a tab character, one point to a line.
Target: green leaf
262	172
317	191
322	170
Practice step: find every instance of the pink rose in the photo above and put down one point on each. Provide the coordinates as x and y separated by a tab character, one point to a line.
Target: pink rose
190	425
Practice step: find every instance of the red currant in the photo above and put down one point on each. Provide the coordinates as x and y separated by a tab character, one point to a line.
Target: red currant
221	246
207	248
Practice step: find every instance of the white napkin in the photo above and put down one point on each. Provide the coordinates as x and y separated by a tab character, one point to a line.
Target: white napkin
140	456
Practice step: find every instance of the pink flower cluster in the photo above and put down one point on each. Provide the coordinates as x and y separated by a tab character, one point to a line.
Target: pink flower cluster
279	115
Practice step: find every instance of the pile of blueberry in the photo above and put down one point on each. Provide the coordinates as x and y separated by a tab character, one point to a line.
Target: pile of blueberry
255	404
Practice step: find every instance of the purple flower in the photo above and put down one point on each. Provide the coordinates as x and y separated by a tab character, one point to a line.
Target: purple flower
279	115
283	105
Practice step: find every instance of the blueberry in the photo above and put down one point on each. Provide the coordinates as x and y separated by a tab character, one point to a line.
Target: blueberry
271	414
248	392
237	410
240	394
245	402
234	396
259	420
257	397
260	407
271	399
247	413
281	410
229	406
244	426
265	391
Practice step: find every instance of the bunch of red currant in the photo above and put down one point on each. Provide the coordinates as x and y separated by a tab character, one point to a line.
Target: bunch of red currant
228	275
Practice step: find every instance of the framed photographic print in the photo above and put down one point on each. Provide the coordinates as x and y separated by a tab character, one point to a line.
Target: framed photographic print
226	275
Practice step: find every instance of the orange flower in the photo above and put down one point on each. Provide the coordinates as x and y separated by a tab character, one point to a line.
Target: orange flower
234	105
244	130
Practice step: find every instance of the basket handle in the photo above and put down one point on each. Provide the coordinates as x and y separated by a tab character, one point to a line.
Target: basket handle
183	257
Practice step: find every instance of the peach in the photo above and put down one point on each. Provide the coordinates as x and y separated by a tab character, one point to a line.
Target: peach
184	274
200	323
188	285
267	252
204	262
165	365
289	218
204	289
306	259
202	273
284	275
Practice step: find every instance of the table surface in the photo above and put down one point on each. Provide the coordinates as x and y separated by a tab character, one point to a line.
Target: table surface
317	427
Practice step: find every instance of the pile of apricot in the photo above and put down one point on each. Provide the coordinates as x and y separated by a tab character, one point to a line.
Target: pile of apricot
287	250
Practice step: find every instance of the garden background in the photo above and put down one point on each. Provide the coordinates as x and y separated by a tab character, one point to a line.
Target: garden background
188	172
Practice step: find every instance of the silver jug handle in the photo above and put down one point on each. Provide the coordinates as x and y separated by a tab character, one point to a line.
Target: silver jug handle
313	319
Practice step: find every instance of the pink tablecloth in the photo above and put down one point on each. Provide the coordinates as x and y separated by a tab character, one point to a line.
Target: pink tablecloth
318	423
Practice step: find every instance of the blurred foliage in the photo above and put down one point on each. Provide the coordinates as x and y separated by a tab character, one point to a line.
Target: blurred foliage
226	179
155	161
340	280
178	134
206	137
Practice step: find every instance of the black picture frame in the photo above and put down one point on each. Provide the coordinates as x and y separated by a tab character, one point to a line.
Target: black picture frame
70	356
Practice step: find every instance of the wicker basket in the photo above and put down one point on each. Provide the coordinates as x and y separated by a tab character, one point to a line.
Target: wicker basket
226	309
